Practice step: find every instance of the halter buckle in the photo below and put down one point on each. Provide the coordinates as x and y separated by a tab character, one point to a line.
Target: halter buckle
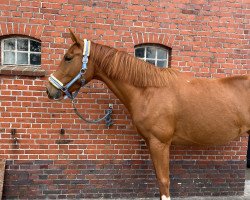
83	71
64	89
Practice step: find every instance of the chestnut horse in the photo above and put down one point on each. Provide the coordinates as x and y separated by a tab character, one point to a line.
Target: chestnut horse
166	106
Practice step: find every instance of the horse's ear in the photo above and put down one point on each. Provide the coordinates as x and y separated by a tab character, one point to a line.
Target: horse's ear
74	37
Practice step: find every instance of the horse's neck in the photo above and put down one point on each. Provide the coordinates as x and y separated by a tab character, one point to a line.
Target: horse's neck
125	92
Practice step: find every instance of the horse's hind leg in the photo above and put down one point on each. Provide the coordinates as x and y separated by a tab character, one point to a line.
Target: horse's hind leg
160	155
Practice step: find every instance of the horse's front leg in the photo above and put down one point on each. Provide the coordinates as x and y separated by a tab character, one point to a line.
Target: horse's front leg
160	155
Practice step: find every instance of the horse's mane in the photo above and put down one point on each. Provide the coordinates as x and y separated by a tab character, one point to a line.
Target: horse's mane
120	65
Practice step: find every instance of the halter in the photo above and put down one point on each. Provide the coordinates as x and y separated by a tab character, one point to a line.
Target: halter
65	89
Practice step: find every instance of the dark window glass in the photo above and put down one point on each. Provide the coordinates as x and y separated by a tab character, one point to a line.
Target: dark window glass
35	59
139	52
35	46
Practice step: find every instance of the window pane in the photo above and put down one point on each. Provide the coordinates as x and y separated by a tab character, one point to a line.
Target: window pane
161	63
151	61
9	58
140	52
161	54
9	44
35	46
22	58
35	59
150	52
22	44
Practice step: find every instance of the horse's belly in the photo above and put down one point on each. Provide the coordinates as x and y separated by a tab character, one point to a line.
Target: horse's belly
182	141
213	136
193	141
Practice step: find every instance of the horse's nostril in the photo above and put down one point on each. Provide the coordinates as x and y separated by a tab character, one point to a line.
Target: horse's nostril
58	94
47	91
53	93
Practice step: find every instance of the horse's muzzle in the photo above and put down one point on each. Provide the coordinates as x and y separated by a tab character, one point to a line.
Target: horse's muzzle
54	93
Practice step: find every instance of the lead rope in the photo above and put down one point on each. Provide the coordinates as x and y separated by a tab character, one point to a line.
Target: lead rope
107	116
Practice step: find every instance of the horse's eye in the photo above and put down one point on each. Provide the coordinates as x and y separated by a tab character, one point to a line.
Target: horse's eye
67	58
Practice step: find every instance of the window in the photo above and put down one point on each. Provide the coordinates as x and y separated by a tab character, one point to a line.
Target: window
20	51
153	54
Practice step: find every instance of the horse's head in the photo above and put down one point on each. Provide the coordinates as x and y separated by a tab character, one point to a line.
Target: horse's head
75	70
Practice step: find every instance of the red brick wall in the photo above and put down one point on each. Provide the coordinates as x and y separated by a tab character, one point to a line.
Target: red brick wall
208	39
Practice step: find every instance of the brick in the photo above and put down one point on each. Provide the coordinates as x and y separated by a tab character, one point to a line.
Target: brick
197	49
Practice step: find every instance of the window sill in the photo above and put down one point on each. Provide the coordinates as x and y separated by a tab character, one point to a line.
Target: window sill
22	71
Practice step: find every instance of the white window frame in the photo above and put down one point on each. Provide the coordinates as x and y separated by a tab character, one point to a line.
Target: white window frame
18	51
154	59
